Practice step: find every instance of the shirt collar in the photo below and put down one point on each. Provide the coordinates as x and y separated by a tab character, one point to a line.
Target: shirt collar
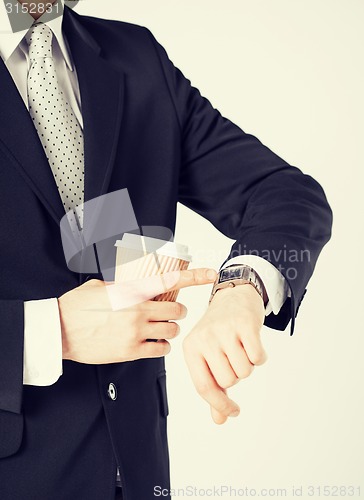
10	40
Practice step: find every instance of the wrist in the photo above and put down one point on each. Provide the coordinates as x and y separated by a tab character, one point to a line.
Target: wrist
239	302
238	292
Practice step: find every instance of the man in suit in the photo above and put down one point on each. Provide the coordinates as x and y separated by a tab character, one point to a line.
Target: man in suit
82	394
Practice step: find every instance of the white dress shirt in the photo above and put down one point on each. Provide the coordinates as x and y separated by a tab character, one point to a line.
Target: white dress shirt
42	334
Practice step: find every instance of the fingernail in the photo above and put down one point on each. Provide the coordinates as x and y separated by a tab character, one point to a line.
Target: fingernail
234	413
170	279
211	274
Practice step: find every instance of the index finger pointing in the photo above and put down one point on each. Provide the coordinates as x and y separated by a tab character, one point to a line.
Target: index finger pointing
130	293
189	277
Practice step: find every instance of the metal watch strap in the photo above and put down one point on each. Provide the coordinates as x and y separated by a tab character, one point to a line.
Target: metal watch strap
236	275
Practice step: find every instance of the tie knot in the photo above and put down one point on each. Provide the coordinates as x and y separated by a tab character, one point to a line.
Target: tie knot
39	39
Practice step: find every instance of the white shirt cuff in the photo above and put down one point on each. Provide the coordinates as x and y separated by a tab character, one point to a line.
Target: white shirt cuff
274	282
42	342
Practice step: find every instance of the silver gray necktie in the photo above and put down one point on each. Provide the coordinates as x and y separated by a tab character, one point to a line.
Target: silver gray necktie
56	124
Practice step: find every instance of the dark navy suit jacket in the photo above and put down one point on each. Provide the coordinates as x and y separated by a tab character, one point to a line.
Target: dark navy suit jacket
148	130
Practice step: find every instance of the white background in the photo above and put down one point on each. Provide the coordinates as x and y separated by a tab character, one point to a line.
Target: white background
290	72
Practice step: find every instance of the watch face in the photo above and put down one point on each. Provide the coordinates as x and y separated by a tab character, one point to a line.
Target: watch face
232	273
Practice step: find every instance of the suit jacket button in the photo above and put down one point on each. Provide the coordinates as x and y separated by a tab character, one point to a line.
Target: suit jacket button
111	392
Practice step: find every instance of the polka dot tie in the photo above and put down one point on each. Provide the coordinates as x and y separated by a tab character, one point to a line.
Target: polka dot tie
57	126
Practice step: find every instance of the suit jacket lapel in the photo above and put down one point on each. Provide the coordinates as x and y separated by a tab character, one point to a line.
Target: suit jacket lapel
102	92
20	142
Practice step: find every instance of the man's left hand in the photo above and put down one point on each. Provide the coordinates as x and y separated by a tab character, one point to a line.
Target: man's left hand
224	347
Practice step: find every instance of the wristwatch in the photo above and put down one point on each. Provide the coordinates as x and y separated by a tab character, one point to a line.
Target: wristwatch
236	275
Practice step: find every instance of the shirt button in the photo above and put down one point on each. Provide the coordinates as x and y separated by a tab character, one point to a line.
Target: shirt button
111	392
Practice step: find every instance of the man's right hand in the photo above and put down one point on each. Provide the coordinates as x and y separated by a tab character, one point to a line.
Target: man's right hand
94	331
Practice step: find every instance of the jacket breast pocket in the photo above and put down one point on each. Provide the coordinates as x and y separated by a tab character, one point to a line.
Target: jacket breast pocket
162	389
11	433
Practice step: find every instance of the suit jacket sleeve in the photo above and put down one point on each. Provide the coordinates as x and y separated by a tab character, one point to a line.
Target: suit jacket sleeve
249	193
